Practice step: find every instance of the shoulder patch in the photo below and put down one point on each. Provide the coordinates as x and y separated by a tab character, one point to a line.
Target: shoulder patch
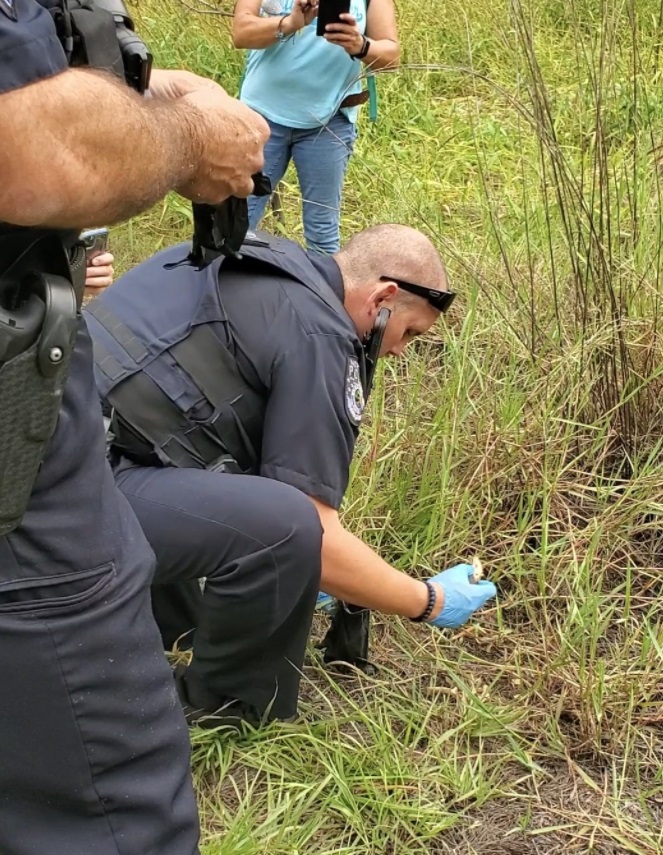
9	8
354	392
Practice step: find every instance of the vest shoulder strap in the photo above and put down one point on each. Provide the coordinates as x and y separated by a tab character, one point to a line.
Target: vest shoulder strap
284	258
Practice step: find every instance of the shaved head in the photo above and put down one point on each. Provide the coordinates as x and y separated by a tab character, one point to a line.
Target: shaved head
372	264
392	250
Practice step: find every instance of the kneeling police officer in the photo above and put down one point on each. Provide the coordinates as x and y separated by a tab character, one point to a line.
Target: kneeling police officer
260	366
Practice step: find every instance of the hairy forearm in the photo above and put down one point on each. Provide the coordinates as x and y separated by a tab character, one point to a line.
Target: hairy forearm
354	573
251	32
81	149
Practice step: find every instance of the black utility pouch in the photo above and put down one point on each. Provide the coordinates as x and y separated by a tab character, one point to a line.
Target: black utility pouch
348	637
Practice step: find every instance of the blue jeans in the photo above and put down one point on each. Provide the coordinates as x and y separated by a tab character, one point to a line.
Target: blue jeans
321	158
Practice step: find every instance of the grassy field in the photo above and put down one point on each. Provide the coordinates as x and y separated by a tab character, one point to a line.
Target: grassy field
523	136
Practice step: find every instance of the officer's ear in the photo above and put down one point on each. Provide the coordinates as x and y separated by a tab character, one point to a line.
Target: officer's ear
381	296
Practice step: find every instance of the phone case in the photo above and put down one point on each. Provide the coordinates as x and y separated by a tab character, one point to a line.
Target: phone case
95	241
329	12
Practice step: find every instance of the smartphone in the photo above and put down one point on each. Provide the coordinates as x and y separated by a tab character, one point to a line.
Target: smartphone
95	241
329	12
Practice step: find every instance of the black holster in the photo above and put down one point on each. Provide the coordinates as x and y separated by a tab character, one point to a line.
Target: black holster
348	637
39	303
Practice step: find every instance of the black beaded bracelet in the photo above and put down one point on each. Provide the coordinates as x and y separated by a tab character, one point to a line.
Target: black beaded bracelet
428	611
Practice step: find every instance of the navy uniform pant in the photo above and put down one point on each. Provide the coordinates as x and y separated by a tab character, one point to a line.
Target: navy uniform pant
257	542
94	755
94	749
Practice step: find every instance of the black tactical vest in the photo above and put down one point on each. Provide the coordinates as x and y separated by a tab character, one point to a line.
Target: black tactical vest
159	364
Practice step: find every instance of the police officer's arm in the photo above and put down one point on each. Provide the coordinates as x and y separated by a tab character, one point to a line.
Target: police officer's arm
311	423
80	148
354	573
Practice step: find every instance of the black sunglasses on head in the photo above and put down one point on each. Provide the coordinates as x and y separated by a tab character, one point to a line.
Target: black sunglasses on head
440	300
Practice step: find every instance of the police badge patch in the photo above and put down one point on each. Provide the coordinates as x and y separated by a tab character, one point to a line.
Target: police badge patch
8	7
354	392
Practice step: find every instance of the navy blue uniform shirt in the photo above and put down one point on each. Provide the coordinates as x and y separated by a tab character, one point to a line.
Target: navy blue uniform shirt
29	47
293	344
297	348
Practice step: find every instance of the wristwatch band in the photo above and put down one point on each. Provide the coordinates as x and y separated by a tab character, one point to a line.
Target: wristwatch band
365	47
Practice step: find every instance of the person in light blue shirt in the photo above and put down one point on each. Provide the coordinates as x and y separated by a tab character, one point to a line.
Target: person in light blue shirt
308	89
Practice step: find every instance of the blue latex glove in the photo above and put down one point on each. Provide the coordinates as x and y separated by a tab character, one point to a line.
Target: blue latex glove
325	603
461	597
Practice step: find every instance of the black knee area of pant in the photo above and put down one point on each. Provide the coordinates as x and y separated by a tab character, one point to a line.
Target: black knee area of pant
306	533
281	522
258	606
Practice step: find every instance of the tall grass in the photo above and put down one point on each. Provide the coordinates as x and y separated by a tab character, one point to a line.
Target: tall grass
524	137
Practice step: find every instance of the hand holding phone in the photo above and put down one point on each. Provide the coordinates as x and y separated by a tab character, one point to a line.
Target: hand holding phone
100	272
301	15
95	241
